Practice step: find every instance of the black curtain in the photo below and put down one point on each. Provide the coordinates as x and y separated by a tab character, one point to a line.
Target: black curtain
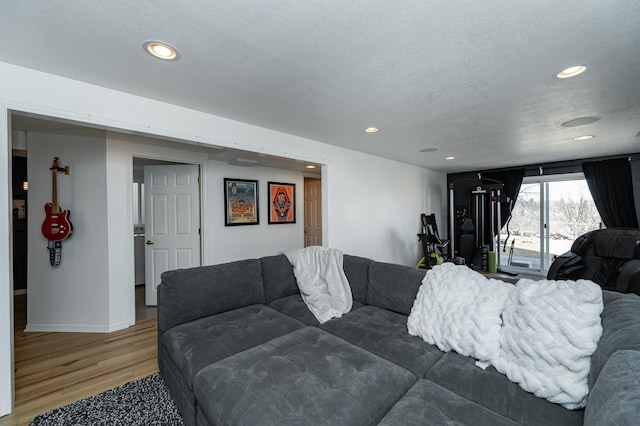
611	187
512	181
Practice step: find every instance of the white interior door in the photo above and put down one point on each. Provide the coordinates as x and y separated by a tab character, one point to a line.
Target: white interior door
312	212
172	222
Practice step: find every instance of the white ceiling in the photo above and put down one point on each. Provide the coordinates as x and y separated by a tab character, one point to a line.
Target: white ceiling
473	79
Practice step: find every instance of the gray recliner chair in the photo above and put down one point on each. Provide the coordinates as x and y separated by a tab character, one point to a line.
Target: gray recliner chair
608	257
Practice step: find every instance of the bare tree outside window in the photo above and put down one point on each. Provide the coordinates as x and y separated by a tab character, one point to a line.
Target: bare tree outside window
574	216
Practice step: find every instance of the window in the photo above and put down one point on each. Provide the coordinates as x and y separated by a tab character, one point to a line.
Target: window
549	214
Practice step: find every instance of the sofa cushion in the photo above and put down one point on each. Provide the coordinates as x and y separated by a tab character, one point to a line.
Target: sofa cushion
621	329
384	333
493	390
196	344
306	377
357	271
188	294
615	397
393	287
295	307
428	403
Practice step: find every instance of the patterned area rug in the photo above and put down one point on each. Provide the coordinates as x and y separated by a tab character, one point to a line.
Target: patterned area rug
142	402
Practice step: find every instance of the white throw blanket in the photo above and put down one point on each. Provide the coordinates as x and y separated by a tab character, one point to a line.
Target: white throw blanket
540	334
323	284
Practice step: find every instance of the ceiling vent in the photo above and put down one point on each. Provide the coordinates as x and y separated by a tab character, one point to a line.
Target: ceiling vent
580	121
243	162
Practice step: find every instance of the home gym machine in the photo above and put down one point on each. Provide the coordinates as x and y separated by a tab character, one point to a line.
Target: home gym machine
433	246
475	219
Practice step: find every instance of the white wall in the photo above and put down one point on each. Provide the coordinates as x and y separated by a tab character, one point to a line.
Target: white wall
6	266
120	286
371	205
220	243
228	243
375	206
72	296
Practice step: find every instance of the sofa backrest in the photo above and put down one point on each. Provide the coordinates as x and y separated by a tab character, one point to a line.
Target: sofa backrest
357	271
188	294
393	287
278	278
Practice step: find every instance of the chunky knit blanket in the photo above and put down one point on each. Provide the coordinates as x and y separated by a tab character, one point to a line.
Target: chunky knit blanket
540	334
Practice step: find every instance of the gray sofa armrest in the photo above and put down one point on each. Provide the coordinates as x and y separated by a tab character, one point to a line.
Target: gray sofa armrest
188	294
615	398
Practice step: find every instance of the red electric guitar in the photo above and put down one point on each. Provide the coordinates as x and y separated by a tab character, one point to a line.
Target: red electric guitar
56	225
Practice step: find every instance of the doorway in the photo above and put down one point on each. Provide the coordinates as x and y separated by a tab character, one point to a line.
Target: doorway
312	212
20	185
166	230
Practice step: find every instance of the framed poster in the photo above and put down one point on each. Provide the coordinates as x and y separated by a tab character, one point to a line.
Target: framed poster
241	202
282	202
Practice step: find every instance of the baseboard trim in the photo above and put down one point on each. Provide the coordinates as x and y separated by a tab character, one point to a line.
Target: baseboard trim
67	328
76	328
120	326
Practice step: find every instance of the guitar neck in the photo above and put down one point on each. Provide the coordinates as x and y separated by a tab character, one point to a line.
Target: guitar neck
54	191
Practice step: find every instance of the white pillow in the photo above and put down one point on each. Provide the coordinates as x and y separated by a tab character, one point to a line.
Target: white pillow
550	331
459	309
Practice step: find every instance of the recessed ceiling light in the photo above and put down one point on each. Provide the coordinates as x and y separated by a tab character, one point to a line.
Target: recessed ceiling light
583	137
161	50
450	158
371	130
310	166
572	71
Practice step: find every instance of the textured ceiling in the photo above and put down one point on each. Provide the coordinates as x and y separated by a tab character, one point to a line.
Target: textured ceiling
472	79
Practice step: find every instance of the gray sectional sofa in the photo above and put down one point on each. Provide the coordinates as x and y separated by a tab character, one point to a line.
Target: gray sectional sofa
237	345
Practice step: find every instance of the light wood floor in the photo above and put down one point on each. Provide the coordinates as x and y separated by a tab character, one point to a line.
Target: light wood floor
55	369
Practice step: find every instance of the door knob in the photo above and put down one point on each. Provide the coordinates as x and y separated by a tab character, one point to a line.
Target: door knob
149	242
